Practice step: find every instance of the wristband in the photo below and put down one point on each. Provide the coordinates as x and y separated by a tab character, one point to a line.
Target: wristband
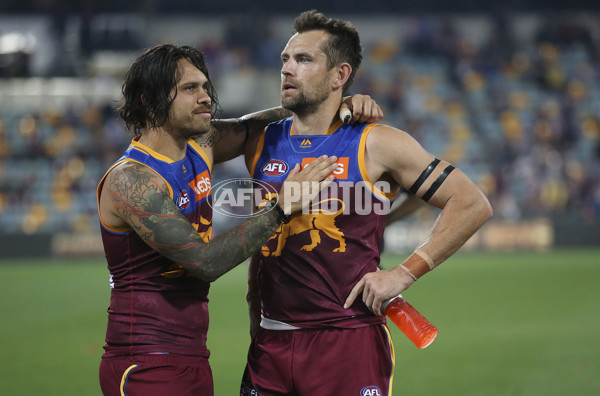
426	257
403	268
418	264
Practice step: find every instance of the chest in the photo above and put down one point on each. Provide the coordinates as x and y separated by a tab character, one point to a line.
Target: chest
282	152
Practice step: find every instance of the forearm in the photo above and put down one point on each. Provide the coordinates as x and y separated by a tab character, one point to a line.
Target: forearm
140	198
258	120
228	250
458	221
253	294
179	242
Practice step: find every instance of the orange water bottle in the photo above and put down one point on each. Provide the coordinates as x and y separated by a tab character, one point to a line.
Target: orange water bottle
414	325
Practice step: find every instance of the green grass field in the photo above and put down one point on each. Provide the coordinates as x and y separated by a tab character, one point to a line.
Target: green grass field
509	324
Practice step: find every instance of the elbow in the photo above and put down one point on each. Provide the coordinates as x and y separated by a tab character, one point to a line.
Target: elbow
202	271
476	207
483	209
210	275
210	278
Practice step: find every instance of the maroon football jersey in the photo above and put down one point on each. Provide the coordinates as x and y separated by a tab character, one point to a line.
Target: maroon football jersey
155	306
309	266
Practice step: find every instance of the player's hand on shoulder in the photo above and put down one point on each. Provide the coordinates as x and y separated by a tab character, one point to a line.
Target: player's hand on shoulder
359	109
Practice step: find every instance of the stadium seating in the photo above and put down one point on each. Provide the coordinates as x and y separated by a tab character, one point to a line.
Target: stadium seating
519	113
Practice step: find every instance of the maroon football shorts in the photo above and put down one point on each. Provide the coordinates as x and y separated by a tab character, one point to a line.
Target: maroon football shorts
156	375
320	362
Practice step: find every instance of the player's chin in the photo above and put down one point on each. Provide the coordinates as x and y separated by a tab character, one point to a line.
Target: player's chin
288	102
289	94
201	128
204	123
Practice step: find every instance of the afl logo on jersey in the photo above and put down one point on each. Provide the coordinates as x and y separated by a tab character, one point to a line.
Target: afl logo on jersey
371	390
274	168
183	200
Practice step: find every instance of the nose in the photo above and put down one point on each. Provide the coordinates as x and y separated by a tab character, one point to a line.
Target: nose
286	68
204	97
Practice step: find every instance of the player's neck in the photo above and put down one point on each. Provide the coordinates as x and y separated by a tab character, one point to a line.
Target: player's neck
164	143
319	122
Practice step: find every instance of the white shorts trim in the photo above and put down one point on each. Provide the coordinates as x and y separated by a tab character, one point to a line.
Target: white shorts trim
272	324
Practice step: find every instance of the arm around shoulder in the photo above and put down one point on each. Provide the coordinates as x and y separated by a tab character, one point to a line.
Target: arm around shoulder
231	135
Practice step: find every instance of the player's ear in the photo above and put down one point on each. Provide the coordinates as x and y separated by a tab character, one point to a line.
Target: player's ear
343	71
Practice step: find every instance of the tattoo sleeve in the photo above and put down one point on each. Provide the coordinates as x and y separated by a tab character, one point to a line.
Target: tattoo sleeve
142	199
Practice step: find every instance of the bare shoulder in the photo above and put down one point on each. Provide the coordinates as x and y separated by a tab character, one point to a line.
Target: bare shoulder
135	184
392	146
394	151
133	173
384	137
132	190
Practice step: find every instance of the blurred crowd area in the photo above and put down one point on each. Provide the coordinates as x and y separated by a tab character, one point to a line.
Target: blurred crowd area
275	7
517	112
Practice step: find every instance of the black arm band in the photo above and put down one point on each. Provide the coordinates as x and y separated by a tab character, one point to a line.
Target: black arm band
424	175
436	184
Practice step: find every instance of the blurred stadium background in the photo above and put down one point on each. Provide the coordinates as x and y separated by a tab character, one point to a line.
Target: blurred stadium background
508	91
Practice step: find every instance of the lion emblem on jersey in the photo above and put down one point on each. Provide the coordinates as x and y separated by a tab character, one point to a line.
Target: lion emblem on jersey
320	220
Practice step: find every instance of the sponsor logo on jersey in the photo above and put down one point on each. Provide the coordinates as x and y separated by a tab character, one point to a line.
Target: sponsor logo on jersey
201	185
274	168
305	143
341	171
370	390
183	201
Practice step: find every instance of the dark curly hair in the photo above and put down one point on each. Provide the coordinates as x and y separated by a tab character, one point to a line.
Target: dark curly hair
343	44
148	85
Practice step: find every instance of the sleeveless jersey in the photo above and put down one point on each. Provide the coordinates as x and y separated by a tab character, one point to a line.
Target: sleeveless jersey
309	266
154	305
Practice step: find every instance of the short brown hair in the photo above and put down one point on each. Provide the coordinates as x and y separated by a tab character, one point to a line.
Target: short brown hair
342	46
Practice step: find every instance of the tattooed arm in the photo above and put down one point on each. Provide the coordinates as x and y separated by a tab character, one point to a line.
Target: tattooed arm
229	135
253	294
133	195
